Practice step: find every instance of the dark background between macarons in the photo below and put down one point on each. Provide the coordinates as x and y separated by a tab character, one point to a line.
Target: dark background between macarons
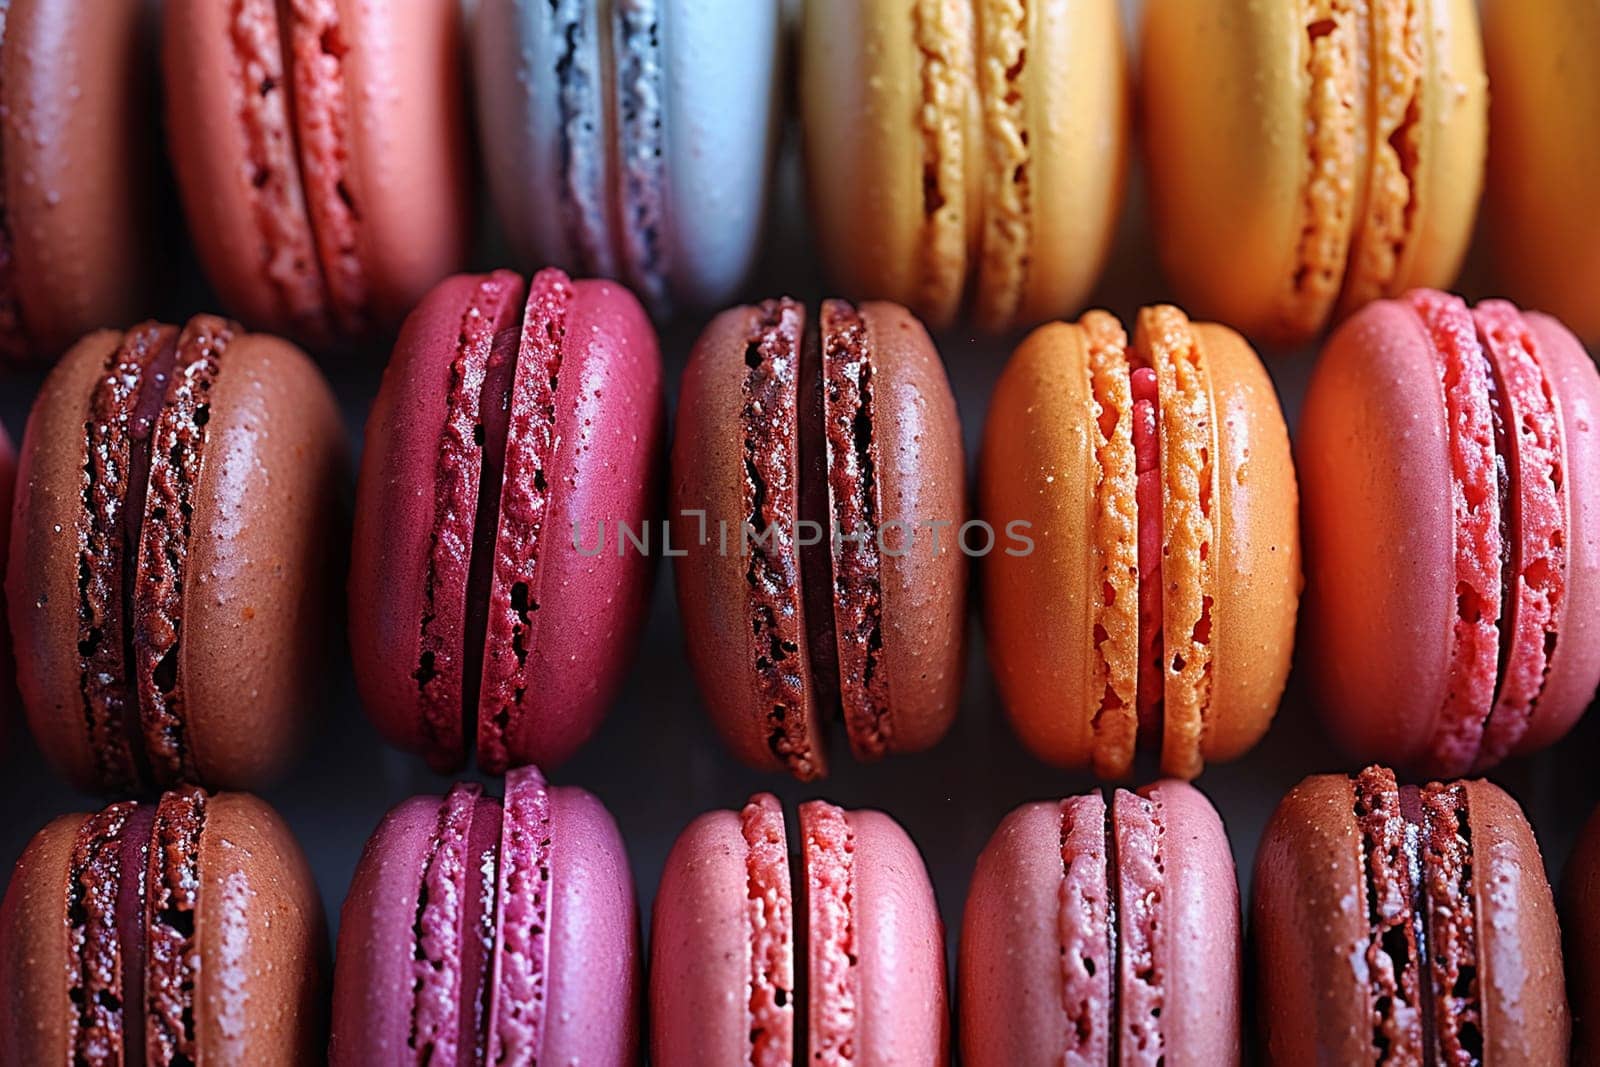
656	762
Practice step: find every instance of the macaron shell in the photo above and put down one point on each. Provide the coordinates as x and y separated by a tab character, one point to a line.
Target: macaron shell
723	81
702	955
1374	465
41	575
1542	158
593	983
1309	929
271	283
263	946
396	501
1580	909
1573	669
375	956
405	170
78	144
1202	964
1520	978
1228	165
1075	94
1036	922
920	480
269	505
34	950
708	483
1038	466
864	101
1258	577
604	472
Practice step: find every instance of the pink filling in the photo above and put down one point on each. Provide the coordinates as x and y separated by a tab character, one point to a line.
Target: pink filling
1140	925
771	913
828	845
1084	925
1535	584
1147	453
1475	637
437	965
520	981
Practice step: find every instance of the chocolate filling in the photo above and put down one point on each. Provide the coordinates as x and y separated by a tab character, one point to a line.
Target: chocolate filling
518	462
122	411
848	412
172	951
95	978
177	453
769	420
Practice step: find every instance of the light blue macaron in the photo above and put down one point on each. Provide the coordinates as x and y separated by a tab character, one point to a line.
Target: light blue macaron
632	138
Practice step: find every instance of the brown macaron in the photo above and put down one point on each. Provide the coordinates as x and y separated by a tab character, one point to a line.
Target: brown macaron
178	500
818	493
1405	924
185	930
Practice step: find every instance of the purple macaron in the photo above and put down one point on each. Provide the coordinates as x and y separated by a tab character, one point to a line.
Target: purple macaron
479	932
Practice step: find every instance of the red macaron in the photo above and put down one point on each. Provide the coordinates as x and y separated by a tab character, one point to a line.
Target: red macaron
494	599
1449	463
321	147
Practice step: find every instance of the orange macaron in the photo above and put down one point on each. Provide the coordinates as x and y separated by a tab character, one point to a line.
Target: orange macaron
1146	592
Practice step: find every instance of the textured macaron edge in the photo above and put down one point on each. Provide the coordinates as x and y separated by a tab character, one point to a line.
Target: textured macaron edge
1005	31
946	70
637	65
834	980
520	976
1136	842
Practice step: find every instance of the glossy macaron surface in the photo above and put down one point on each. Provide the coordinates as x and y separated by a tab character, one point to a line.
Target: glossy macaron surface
184	930
1205	521
321	152
944	151
1088	930
1346	964
77	154
1335	156
810	467
523	916
1462	438
174	484
632	140
737	975
1541	159
517	434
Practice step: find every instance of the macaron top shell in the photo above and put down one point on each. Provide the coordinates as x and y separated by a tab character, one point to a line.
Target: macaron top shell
1337	153
227	416
1399	446
254	953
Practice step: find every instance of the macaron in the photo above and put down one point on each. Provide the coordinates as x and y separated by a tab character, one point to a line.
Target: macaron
738	975
1450	464
632	139
514	448
178	492
1103	932
965	156
1307	158
1543	157
8	662
817	516
77	153
185	929
1580	925
1404	924
481	932
321	151
1144	593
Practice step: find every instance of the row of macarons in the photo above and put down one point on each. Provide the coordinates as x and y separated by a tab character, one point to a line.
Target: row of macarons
1388	922
179	518
963	159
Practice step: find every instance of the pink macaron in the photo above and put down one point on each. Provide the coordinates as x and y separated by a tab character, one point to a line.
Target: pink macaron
494	599
738	975
484	932
1101	933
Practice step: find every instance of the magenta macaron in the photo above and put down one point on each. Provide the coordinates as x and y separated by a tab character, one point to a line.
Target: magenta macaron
494	602
1104	933
478	931
738	975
